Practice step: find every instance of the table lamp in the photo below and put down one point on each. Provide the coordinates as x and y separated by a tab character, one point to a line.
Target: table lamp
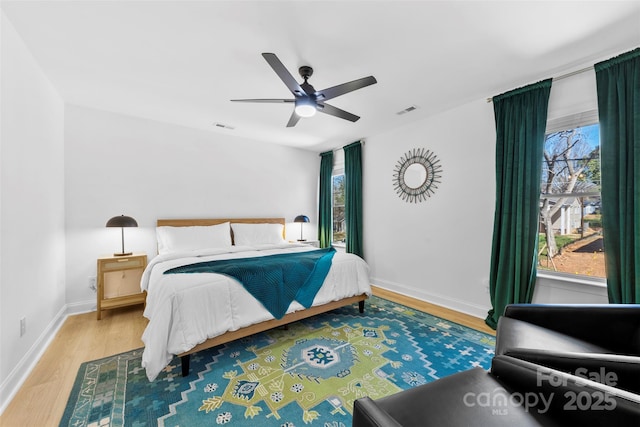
122	221
301	219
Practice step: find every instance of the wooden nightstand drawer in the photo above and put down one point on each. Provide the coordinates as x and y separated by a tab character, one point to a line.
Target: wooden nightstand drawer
117	264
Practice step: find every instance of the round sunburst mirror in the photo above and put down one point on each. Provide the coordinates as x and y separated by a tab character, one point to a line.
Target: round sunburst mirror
417	175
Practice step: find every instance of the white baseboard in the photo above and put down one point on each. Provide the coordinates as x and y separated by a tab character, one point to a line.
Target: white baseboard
81	307
471	309
16	378
21	371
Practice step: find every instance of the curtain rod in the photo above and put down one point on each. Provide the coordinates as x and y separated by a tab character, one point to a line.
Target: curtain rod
335	150
564	76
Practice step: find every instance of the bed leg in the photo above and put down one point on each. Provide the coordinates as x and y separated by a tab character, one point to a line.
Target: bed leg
185	361
361	306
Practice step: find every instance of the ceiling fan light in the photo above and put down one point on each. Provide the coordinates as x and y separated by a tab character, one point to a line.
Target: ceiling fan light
305	109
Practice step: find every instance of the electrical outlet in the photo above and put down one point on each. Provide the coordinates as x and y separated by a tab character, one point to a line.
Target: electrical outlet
92	283
23	326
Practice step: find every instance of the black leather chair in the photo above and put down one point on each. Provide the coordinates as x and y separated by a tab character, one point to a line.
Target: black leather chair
555	365
592	340
514	393
580	328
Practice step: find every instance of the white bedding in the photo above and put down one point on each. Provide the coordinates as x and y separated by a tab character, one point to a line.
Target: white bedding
185	310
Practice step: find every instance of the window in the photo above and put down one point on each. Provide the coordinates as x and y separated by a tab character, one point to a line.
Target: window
337	194
570	234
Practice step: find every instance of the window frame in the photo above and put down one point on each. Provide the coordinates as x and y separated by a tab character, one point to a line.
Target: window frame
585	118
336	172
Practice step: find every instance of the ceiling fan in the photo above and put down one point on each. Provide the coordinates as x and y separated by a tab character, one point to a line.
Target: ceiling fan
308	100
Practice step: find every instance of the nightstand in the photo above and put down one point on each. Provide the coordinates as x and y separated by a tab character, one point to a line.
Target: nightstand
118	281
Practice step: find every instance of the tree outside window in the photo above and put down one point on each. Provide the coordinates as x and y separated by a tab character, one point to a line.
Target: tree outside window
570	217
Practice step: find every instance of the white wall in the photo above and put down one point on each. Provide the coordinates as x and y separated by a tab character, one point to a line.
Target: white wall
437	250
32	277
117	164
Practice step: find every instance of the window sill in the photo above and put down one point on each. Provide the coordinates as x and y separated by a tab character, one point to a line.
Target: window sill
339	245
597	282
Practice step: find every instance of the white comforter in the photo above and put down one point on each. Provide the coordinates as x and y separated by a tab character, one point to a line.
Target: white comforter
185	310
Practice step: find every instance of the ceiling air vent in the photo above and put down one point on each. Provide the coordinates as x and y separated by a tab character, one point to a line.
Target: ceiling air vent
223	126
407	110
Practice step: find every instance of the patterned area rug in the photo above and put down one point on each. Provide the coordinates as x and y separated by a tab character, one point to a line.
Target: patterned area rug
308	374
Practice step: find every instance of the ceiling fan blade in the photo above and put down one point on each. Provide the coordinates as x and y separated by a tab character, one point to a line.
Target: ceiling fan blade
334	111
267	101
293	120
332	92
284	74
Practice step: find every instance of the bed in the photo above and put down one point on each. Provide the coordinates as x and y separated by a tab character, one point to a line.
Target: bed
188	313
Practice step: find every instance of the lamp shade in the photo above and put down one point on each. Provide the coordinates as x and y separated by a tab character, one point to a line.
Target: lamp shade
301	218
122	221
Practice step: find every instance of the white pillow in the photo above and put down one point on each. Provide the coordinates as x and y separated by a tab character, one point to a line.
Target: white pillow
257	234
180	239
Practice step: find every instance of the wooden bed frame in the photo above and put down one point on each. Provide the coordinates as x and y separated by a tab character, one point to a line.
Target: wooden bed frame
185	357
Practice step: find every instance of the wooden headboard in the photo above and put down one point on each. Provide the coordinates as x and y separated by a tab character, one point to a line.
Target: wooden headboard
214	221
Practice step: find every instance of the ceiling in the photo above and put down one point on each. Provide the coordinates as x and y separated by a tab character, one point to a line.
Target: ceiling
182	61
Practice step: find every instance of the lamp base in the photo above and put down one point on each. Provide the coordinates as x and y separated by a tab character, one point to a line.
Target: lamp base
302	240
124	254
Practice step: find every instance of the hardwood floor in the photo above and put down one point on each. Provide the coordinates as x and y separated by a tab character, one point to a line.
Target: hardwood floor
436	310
42	398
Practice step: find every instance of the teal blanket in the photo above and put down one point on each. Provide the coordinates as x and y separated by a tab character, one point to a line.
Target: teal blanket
274	280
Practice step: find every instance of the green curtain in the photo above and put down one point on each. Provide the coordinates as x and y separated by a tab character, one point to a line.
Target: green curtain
618	86
325	216
353	197
521	118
